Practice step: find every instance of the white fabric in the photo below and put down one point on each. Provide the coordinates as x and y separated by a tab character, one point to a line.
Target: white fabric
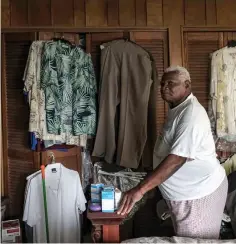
65	201
187	133
223	92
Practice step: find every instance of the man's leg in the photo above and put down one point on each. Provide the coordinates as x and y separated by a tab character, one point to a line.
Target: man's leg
200	218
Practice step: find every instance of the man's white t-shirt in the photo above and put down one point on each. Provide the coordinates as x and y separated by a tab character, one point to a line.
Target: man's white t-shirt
187	133
65	202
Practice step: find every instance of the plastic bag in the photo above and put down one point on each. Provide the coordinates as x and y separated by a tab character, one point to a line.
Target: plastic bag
124	180
87	169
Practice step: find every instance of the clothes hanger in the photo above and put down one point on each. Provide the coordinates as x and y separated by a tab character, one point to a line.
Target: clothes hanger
62	39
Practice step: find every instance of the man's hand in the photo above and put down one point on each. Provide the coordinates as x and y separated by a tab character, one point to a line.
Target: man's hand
129	199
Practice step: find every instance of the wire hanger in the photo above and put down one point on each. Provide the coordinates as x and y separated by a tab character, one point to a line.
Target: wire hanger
62	39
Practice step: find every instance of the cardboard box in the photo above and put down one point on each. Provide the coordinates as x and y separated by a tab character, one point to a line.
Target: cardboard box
11	231
108	200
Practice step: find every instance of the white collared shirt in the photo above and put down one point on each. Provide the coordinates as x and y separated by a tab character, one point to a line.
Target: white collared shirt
65	200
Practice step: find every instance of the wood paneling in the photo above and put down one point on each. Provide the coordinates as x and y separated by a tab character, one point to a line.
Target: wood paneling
5	13
113	12
19	13
39	13
62	12
141	13
210	12
79	13
3	155
226	10
174	18
123	13
154	13
195	12
127	12
96	13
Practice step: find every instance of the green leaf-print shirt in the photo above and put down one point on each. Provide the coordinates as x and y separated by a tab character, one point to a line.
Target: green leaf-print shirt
68	80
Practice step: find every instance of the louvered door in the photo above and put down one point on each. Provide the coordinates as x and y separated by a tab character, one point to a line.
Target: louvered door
156	43
229	36
19	160
197	48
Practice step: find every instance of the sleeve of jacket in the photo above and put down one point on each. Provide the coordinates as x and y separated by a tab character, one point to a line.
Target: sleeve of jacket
147	158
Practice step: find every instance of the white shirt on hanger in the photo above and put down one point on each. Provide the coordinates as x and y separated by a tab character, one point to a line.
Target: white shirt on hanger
65	201
223	92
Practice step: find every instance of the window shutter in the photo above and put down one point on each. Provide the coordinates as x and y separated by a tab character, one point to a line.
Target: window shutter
19	159
197	48
229	36
156	43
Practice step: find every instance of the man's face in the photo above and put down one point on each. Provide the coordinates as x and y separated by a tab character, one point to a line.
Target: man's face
173	89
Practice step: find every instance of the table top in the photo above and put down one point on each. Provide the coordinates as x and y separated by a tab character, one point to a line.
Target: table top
101	215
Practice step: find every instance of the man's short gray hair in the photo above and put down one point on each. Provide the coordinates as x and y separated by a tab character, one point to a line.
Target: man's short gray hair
181	71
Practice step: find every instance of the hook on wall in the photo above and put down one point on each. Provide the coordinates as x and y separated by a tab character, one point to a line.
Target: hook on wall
52	156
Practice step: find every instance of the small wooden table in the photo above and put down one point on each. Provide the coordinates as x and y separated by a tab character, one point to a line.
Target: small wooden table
105	226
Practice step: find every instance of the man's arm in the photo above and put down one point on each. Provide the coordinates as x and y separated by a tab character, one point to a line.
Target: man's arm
164	170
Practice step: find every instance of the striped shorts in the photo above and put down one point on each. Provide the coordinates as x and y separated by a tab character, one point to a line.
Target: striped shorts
200	218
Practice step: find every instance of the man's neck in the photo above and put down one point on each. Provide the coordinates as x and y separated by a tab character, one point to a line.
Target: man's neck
175	104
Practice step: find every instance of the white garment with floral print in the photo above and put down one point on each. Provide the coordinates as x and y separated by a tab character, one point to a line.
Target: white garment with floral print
223	92
36	98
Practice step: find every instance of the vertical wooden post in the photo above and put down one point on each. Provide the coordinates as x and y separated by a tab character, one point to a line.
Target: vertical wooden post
111	234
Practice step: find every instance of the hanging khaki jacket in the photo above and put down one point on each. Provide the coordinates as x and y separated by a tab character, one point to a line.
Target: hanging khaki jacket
126	130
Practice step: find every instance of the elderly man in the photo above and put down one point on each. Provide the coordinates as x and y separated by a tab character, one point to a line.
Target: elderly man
186	169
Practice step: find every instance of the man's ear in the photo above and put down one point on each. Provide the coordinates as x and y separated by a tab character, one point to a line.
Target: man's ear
187	84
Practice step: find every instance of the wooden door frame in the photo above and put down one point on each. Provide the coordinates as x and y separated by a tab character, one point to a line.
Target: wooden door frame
3	129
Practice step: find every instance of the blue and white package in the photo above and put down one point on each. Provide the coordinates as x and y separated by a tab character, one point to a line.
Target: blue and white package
108	199
96	190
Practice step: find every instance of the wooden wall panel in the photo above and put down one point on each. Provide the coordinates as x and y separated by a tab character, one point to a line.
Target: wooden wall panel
62	12
100	13
79	13
141	13
5	13
195	12
226	10
210	12
154	13
127	12
39	13
19	13
174	18
113	12
96	13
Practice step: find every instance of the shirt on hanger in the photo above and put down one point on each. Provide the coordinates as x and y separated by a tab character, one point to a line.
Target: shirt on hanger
65	201
68	80
223	92
36	99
